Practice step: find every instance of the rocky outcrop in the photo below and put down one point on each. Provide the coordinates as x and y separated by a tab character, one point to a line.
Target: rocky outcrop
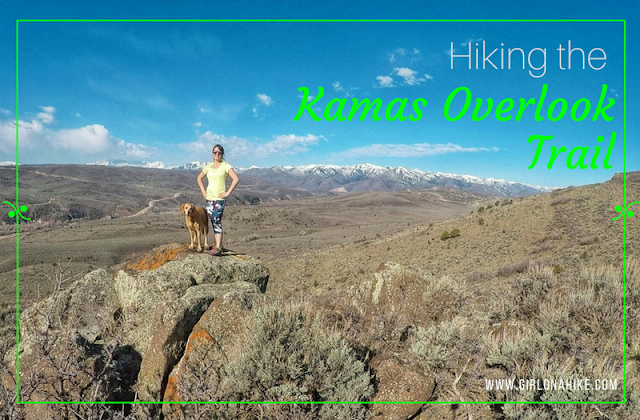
218	338
395	297
171	325
398	383
147	310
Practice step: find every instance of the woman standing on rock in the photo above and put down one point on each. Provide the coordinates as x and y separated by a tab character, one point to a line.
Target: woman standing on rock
216	192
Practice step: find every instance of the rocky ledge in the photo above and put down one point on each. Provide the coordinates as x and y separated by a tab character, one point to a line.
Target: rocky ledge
140	315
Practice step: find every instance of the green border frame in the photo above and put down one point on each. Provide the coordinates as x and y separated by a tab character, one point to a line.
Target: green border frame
624	389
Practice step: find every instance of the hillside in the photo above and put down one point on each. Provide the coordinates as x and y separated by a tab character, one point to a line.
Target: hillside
367	177
522	289
270	230
565	228
67	192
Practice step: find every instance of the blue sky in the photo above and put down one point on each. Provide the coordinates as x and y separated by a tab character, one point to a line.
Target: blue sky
169	91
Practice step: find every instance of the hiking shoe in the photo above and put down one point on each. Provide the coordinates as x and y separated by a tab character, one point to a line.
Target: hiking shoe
215	251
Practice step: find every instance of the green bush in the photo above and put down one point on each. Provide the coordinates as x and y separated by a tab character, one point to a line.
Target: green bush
445	235
291	357
436	345
455	232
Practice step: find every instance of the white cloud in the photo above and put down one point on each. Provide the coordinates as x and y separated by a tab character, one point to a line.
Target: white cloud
46	117
258	109
265	99
5	111
198	124
385	81
309	98
78	115
471	40
428	76
288	144
204	110
403	54
408	75
43	144
137	151
339	88
240	148
411	150
91	139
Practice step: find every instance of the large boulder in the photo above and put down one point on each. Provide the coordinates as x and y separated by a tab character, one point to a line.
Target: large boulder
218	338
399	383
393	302
172	327
138	317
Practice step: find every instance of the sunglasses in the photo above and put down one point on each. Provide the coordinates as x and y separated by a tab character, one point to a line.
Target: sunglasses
217	153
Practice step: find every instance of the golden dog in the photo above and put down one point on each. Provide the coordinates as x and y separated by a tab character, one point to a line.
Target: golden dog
198	223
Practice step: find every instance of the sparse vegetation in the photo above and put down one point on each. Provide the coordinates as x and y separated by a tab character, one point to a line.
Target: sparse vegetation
250	238
291	357
541	318
588	240
454	233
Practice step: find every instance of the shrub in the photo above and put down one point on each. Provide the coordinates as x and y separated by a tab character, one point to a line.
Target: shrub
509	269
445	298
455	232
542	248
481	221
291	357
438	344
445	235
477	276
251	237
588	240
480	209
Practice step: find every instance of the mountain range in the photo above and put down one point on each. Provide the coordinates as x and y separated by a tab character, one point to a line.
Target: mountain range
359	178
363	177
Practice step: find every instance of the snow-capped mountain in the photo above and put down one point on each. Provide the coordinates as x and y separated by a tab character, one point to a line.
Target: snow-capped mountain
367	177
362	177
121	163
191	166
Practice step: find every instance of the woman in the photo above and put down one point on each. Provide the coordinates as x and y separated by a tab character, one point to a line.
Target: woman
216	192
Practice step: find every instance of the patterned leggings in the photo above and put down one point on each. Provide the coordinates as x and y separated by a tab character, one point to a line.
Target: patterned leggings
215	209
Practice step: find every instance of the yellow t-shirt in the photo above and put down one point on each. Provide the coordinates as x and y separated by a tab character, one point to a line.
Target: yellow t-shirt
217	179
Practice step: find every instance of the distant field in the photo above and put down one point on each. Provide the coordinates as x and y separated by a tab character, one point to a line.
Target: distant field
268	231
